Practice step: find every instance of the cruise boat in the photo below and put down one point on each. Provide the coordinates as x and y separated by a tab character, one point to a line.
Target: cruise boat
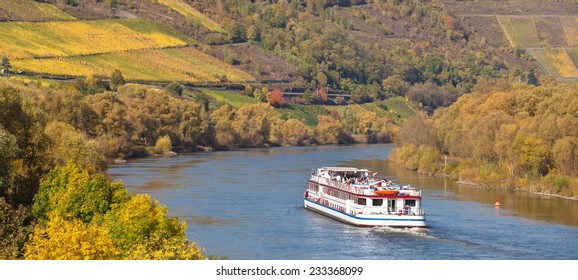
356	196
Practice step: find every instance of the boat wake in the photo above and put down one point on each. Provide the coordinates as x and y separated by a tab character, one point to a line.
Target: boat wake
422	232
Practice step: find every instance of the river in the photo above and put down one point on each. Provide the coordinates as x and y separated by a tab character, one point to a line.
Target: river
248	204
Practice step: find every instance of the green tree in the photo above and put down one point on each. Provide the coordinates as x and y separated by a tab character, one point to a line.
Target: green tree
116	79
6	63
175	88
71	193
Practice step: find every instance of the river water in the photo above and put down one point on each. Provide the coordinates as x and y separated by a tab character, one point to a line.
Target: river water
248	204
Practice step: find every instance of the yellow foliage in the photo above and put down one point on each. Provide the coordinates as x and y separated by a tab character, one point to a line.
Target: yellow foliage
186	64
562	63
30	10
70	240
71	38
190	12
521	31
570	26
143	230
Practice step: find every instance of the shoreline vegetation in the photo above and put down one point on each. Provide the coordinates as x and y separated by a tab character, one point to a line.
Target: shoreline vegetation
502	135
56	140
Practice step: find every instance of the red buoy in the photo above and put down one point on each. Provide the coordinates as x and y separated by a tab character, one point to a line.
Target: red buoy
497	204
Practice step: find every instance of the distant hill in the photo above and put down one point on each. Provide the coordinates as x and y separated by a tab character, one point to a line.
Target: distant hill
546	30
369	49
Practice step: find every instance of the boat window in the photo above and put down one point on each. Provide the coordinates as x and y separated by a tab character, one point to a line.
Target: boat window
410	202
378	202
361	201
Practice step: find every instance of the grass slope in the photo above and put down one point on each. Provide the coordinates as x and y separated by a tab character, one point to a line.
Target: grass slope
521	32
233	99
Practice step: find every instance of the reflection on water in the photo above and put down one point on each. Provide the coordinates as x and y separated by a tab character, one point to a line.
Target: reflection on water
248	204
514	203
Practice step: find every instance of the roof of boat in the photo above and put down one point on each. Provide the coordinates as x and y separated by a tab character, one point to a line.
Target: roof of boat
344	169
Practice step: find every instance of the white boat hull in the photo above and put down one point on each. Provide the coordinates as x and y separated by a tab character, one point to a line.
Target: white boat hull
380	220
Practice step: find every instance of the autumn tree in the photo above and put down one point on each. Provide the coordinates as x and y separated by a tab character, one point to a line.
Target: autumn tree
141	229
26	159
70	240
322	96
276	98
417	131
15	227
329	130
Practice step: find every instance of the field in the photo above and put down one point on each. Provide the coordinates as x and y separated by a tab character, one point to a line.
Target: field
30	10
192	14
72	38
395	109
557	62
183	64
235	100
521	32
570	26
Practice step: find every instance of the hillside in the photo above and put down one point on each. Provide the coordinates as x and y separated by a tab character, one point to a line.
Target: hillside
546	30
363	48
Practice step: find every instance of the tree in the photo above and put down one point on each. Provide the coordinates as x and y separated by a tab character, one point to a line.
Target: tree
70	145
329	130
322	96
417	131
163	145
532	79
395	85
276	98
175	88
307	97
30	162
141	229
565	154
15	226
116	79
71	193
71	240
534	153
6	63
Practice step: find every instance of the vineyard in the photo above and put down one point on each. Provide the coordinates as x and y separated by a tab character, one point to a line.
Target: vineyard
570	26
30	10
70	38
521	32
192	14
184	64
557	62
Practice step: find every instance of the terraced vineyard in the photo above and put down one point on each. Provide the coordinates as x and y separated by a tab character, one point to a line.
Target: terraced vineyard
570	26
190	13
556	61
70	38
184	64
521	32
30	10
